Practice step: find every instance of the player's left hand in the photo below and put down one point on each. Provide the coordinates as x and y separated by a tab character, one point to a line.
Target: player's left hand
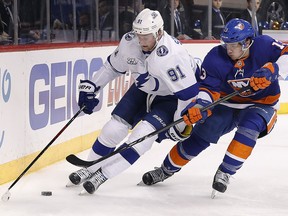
174	134
192	113
87	96
263	77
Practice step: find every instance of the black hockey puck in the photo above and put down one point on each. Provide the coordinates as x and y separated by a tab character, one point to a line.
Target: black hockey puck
46	193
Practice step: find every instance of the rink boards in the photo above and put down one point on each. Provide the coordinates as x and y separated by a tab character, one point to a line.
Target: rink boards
38	96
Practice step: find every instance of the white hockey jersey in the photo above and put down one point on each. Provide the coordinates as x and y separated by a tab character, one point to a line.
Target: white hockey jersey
167	70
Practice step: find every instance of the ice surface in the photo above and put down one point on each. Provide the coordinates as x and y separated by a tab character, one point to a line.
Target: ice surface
260	188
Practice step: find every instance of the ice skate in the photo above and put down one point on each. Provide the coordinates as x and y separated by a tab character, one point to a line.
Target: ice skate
154	176
93	183
78	177
220	182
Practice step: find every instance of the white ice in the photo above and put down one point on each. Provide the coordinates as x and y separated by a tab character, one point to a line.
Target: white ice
260	188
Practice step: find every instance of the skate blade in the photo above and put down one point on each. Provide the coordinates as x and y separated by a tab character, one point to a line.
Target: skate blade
83	193
70	184
141	183
214	193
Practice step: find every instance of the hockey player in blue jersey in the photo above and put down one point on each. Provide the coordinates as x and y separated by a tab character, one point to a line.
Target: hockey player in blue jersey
165	83
226	68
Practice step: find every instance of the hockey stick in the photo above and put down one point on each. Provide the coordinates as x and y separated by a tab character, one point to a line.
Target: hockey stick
7	195
73	159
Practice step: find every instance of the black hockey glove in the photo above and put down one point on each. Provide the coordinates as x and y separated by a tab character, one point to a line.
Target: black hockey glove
87	96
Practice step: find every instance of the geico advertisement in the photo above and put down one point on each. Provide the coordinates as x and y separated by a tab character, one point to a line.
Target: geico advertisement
39	95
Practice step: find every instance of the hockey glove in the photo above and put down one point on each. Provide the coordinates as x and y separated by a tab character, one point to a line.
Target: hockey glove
174	134
263	77
87	96
192	113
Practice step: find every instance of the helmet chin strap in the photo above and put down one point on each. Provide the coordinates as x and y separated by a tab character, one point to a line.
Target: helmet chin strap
157	37
245	50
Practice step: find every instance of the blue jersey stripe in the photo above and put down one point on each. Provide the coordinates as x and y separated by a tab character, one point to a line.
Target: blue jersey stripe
188	93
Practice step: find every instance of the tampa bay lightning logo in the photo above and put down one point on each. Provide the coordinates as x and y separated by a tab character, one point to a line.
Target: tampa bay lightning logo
154	15
162	51
141	79
129	36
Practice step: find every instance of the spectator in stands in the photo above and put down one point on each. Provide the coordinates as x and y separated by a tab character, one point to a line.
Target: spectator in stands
218	21
189	14
106	19
247	15
153	4
4	37
6	14
182	30
128	11
84	26
7	20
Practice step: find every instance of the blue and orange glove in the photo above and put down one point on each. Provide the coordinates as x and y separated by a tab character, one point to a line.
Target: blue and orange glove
192	113
263	77
87	96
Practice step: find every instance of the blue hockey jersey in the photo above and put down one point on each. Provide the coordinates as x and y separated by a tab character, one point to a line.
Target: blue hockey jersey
220	75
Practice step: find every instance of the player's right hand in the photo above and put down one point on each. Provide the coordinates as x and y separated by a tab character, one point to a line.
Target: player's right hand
192	113
87	96
263	77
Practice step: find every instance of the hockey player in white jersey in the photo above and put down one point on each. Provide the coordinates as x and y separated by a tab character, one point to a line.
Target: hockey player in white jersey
165	83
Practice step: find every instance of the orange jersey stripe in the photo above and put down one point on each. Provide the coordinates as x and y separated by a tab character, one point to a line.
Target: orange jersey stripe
176	158
266	100
272	122
270	66
284	51
239	149
215	95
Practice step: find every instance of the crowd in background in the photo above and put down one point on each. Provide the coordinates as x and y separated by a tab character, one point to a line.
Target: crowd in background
109	20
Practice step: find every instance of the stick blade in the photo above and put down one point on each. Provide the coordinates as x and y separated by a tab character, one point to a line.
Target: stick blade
6	196
73	159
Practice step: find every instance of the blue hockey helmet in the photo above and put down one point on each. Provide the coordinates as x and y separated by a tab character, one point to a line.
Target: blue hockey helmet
237	30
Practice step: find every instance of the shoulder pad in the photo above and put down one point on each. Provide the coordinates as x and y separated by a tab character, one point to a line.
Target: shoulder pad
176	40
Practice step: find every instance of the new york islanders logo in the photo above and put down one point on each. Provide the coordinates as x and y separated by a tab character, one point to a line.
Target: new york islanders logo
238	84
239	26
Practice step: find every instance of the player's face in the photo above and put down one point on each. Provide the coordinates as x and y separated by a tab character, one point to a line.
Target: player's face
147	42
234	50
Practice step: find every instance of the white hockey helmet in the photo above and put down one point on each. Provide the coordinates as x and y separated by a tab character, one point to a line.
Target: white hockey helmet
148	21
